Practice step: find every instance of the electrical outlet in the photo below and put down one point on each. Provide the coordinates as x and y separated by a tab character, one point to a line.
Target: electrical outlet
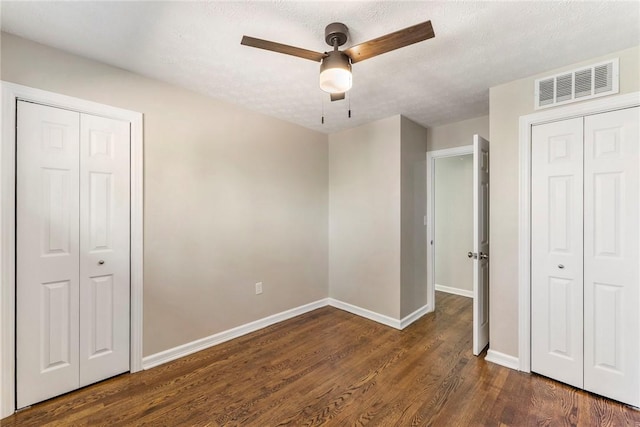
258	288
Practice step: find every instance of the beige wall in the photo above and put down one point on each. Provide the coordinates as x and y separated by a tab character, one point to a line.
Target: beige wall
232	197
454	221
457	134
377	203
507	103
364	216
413	251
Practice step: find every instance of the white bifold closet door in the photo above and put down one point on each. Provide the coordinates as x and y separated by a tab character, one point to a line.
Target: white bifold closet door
612	255
556	251
585	292
72	247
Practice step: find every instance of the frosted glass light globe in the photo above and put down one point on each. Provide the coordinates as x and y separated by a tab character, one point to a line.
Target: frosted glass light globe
335	73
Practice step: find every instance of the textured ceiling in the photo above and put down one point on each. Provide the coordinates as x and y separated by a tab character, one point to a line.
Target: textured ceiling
196	45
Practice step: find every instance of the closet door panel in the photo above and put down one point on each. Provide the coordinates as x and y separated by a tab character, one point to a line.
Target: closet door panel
556	248
612	256
104	248
46	252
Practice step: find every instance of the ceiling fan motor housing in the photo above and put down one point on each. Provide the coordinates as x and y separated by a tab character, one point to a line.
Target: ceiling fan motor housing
336	31
336	60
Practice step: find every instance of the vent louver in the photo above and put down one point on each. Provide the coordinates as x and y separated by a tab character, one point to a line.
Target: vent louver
546	92
577	85
603	78
583	83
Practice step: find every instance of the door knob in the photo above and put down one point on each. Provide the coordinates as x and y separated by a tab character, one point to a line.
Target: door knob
472	255
101	262
484	256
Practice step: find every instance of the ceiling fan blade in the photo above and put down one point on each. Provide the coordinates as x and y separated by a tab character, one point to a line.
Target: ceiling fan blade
282	48
336	96
392	41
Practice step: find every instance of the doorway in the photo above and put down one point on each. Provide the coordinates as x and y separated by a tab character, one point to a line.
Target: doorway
603	105
453	224
11	95
584	253
72	250
446	227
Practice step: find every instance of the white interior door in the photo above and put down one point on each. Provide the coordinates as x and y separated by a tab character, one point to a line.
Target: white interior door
585	234
480	244
104	248
47	252
556	250
611	255
72	288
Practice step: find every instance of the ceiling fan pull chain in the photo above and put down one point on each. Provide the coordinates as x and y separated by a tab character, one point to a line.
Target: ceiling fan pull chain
322	121
349	104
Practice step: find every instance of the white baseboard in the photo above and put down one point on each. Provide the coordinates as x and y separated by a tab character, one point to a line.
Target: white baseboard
165	356
381	318
502	359
409	319
455	291
206	342
367	314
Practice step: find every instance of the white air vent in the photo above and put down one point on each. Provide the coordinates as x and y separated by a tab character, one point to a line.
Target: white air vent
577	85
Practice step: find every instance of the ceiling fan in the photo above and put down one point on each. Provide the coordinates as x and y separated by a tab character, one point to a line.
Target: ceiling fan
335	68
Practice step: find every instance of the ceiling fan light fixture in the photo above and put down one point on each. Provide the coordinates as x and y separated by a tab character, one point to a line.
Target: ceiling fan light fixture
335	73
335	66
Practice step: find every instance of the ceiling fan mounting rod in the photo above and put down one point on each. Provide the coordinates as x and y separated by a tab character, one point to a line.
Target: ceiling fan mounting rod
334	42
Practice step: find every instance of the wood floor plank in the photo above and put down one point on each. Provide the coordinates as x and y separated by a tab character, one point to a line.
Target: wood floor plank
329	367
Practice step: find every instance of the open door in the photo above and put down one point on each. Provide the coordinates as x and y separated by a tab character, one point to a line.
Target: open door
480	254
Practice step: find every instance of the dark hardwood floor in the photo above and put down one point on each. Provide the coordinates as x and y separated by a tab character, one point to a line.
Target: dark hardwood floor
331	367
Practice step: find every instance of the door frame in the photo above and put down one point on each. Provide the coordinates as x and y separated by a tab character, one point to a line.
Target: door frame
524	209
431	185
11	93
